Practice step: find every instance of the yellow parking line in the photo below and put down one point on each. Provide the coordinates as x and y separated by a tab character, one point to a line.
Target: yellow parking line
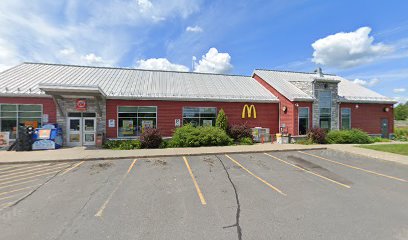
69	169
32	171
260	179
14	166
22	168
17	190
12	176
354	167
11	196
100	211
16	184
308	171
16	180
200	194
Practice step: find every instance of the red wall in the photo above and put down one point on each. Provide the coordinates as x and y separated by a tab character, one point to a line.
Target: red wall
367	117
48	105
290	117
168	111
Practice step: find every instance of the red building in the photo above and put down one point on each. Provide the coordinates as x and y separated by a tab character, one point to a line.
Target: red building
120	103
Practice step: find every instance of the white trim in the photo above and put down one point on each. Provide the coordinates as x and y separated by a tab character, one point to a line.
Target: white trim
308	119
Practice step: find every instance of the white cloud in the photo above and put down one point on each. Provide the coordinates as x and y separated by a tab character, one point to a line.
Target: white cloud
399	90
160	64
214	62
81	32
366	83
346	50
195	29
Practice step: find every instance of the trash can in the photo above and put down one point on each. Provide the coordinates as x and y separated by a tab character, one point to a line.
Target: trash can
99	140
279	138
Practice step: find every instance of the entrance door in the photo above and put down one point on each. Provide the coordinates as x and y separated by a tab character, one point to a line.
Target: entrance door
89	129
384	128
81	131
74	131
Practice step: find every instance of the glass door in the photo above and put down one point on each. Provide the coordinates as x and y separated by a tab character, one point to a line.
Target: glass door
89	131
74	131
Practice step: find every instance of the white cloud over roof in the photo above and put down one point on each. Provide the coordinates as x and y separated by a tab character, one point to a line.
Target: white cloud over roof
214	62
160	64
346	50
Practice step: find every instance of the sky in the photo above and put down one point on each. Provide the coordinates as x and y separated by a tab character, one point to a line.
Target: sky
363	41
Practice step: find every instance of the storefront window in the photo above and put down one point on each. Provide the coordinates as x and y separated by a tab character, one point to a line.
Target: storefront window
345	118
133	120
325	100
200	116
11	115
303	120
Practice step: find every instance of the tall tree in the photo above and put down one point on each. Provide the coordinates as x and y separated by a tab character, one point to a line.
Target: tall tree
401	112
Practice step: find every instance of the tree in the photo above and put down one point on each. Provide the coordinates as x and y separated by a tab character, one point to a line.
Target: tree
222	120
401	112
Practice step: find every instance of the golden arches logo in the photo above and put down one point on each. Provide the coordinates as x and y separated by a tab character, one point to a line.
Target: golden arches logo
247	111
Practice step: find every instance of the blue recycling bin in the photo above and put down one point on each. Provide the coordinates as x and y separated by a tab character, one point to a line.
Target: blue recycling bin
48	137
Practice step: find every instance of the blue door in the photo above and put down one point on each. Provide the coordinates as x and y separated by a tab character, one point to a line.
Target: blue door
384	128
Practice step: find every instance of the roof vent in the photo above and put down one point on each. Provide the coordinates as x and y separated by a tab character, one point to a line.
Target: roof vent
319	72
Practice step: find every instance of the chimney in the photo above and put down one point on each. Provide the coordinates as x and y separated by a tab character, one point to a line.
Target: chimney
319	72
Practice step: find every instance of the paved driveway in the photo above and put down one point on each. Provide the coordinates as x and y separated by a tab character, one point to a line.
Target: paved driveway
319	194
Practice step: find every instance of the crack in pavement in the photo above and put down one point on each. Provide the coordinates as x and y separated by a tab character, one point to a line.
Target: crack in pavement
239	229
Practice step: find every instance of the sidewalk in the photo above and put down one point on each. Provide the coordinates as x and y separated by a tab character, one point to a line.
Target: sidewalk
352	148
83	154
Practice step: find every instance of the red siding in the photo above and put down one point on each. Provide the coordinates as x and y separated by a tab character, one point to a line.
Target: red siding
168	111
290	118
48	105
367	117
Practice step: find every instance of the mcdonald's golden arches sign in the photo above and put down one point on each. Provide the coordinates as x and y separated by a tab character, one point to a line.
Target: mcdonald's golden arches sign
247	111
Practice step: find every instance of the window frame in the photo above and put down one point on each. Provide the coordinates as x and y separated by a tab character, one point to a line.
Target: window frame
308	119
325	116
137	119
17	116
341	118
199	114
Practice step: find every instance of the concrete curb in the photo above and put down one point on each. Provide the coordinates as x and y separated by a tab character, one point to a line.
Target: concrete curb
158	155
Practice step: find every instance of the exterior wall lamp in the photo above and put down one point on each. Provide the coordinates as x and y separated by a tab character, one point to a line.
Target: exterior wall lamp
357	106
386	109
285	109
296	104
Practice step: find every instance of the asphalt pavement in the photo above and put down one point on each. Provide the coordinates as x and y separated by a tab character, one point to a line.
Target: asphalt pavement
313	194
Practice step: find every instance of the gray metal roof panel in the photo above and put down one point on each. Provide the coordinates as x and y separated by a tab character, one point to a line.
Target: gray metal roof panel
348	91
136	83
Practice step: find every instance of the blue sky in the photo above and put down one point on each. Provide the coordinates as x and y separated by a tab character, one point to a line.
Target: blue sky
364	41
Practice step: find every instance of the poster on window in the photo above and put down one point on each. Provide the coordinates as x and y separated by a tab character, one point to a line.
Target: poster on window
146	124
207	123
127	128
4	139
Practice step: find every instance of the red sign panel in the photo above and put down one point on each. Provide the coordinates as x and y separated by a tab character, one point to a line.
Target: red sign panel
81	105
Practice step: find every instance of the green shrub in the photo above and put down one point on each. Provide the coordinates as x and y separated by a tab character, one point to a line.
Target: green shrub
317	135
122	144
222	120
401	134
348	136
238	131
379	139
304	141
189	136
151	138
246	141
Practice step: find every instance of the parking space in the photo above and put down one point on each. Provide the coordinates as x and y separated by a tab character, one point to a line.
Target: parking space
317	194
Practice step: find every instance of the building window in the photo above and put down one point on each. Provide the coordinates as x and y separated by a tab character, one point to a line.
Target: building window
133	120
11	115
345	118
325	101
303	120
200	116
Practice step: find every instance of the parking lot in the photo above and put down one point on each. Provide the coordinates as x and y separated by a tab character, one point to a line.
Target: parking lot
317	194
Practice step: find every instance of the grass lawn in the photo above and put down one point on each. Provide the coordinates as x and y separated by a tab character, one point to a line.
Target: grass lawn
392	148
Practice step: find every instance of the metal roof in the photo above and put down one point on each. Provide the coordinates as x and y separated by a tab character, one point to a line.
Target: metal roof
281	81
348	91
126	83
